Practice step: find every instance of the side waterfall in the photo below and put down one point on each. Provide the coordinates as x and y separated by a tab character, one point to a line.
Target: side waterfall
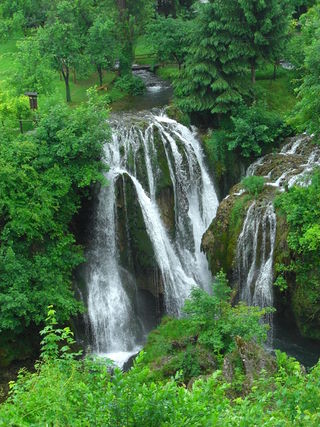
133	157
255	257
255	247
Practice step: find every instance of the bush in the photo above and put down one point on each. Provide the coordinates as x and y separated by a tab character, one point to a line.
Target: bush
130	84
254	129
253	184
44	176
301	207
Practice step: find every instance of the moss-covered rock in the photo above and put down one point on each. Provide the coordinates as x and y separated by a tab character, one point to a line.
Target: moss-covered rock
220	241
177	114
247	361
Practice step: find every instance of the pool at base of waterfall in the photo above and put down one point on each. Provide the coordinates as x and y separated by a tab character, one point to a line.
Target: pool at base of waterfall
119	358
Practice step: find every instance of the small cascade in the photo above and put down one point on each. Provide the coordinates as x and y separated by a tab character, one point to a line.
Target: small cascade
255	248
255	257
299	156
151	157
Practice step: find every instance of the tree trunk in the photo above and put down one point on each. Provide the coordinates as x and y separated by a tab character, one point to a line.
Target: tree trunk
121	4
99	68
21	125
126	59
66	74
274	71
253	72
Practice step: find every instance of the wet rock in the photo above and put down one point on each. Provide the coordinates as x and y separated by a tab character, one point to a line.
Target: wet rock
281	170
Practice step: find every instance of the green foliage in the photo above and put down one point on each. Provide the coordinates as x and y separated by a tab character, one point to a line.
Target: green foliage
216	146
53	337
281	283
102	45
32	69
253	184
130	84
43	178
301	205
77	393
217	323
169	39
211	79
254	129
265	29
14	111
29	13
308	107
132	17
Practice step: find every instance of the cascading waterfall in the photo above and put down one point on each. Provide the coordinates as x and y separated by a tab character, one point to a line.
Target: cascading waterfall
255	257
116	321
255	248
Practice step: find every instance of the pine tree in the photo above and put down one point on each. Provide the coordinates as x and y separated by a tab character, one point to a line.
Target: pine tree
266	27
211	79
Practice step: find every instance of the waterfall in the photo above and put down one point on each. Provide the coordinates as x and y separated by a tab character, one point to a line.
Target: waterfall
140	144
255	247
255	256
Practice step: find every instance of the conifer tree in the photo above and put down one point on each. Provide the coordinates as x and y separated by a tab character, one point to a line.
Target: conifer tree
266	27
211	79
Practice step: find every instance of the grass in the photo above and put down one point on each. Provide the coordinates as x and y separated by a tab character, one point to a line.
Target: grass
278	94
142	47
8	50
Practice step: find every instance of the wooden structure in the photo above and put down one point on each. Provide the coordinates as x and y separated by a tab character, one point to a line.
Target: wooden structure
33	98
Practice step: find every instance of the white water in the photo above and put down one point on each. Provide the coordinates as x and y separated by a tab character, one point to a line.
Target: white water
255	248
255	255
116	323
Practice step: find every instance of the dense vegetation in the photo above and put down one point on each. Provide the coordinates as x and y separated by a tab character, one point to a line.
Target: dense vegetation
224	60
66	391
301	206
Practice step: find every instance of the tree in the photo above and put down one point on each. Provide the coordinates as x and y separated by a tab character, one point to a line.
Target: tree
43	178
308	107
102	46
211	80
62	41
266	25
14	110
132	18
30	13
169	38
33	70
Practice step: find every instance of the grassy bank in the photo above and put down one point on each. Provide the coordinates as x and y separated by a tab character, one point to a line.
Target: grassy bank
8	51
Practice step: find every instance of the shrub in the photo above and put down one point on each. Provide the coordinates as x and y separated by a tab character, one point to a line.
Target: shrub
254	129
301	207
253	184
130	84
